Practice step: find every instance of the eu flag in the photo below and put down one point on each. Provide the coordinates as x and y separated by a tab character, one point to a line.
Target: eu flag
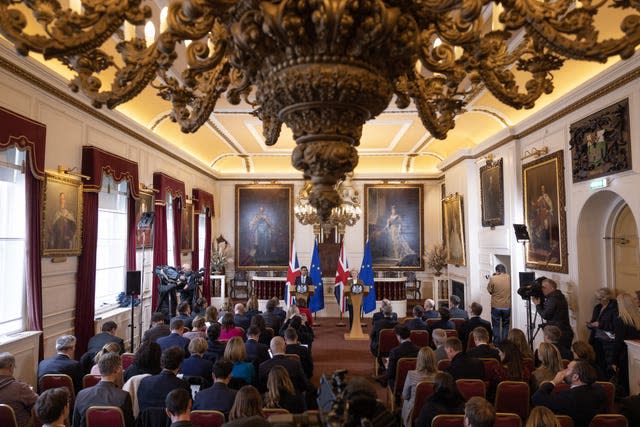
366	275
316	302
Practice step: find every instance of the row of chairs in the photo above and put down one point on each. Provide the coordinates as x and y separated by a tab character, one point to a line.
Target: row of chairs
505	419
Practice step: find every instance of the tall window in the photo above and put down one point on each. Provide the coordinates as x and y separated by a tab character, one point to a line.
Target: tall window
13	236
202	218
170	232
111	254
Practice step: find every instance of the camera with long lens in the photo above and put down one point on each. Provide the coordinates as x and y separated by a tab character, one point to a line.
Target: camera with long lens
533	290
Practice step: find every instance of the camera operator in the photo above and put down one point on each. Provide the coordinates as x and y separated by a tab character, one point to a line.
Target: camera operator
363	404
188	284
167	298
555	310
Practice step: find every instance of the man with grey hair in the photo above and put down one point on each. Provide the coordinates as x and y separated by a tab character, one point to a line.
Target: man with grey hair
386	322
105	393
63	363
239	316
380	314
454	308
430	311
14	393
294	367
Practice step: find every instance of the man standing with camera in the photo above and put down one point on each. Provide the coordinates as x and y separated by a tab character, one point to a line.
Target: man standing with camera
188	284
555	310
499	288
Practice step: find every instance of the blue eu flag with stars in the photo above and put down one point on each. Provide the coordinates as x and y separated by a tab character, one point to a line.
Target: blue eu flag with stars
366	275
316	302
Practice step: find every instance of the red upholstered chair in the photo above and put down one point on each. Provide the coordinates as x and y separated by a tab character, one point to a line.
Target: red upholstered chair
7	417
458	321
90	380
471	343
272	411
471	387
560	387
491	365
201	418
609	420
565	420
127	360
507	419
513	396
48	381
443	364
405	364
451	333
448	420
424	389
610	392
420	338
432	320
104	416
387	340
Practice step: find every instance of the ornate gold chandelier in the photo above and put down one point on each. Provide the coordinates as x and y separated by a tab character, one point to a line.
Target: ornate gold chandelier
322	67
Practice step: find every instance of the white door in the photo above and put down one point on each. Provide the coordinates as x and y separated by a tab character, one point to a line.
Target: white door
627	254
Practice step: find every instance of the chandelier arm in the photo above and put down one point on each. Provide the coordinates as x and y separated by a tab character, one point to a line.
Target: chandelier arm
193	19
69	33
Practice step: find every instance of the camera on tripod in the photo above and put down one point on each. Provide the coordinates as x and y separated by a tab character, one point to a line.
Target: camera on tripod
534	290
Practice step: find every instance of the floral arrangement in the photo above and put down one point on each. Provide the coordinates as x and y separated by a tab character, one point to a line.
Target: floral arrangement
436	258
219	259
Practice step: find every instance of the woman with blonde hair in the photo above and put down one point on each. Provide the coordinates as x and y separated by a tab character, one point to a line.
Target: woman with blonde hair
627	327
236	353
252	307
247	407
541	416
520	340
550	365
110	347
281	393
426	370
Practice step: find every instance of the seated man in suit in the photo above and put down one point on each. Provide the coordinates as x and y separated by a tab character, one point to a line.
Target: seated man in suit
175	339
462	365
153	390
184	314
218	397
107	335
478	412
416	324
239	316
482	348
63	363
474	321
105	393
430	311
158	328
443	322
272	318
178	408
15	393
552	334
196	365
581	402
294	347
296	373
405	349
386	322
52	406
439	338
256	351
454	308
380	314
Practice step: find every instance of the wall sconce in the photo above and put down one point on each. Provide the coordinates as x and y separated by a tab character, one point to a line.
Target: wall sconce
62	169
535	152
147	188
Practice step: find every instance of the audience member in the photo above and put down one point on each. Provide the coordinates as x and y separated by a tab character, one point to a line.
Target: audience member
482	348
52	407
236	353
184	314
364	408
405	349
443	322
305	333
416	324
110	347
272	318
210	315
630	407
198	330
425	371
175	339
550	365
229	329
196	365
265	334
294	347
462	365
519	339
215	348
551	334
445	400
386	322
478	412
105	393
218	397
511	367
430	311
627	327
455	310
380	314
499	287
200	307
305	311
158	328
281	393
582	401
14	393
602	328
252	307
296	373
107	335
582	350
541	416
178	408
247	409
439	337
146	360
240	319
63	363
474	321
153	390
256	351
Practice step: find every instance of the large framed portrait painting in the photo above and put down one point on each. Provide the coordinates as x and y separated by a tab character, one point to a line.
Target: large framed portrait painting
544	205
186	226
264	226
454	229
393	215
61	216
492	194
144	231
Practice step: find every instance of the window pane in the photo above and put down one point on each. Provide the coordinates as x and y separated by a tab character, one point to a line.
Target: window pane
170	233
201	223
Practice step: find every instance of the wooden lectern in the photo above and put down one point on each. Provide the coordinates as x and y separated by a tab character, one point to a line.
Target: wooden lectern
302	291
356	291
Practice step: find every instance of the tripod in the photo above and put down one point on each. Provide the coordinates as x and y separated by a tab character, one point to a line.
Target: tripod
532	331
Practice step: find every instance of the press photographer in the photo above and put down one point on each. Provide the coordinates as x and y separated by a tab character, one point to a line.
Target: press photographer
188	283
167	299
553	308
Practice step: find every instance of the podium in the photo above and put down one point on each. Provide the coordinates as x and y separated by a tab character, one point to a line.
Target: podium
302	291
356	291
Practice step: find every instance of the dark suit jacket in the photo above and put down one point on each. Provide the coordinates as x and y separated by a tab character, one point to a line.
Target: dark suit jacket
174	340
305	357
484	351
469	325
416	324
307	281
384	323
555	310
242	320
272	320
153	390
379	316
188	320
98	341
581	403
442	324
218	397
62	364
215	351
430	314
405	349
102	394
156	332
464	366
256	352
458	313
196	366
292	366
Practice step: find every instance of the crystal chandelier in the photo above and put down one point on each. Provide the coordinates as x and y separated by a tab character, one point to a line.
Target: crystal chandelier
322	67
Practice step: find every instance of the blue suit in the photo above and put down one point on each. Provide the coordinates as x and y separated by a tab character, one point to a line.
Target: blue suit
196	366
218	397
153	390
104	393
174	340
62	364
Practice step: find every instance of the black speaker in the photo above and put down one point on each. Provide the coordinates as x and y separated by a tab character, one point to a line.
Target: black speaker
526	278
133	282
521	232
146	220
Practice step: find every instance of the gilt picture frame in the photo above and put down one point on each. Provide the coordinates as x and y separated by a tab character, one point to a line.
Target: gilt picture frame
61	216
492	194
544	212
454	240
144	204
264	226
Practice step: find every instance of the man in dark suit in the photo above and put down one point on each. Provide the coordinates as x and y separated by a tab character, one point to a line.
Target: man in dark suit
405	349
430	311
107	335
386	322
105	393
581	402
303	278
474	321
240	318
175	339
416	324
294	347
256	351
178	408
555	310
271	317
482	348
296	373
380	314
158	328
218	397
184	314
455	310
462	365
153	390
63	363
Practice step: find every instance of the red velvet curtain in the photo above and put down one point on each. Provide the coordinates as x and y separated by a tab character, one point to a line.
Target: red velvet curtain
159	248
195	255
177	221
206	284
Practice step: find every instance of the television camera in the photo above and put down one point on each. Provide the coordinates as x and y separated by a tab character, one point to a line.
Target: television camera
533	290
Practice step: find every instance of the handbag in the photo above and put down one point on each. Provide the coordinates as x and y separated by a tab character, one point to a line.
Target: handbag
605	336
